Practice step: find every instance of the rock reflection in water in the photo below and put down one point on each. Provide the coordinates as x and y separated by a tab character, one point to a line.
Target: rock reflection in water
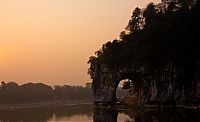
165	116
110	116
105	116
147	116
87	114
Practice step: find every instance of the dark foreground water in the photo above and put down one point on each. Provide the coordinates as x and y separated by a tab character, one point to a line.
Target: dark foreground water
85	113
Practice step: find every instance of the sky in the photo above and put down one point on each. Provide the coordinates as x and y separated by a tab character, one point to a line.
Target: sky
50	41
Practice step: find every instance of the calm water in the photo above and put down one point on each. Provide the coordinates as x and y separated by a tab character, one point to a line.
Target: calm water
85	113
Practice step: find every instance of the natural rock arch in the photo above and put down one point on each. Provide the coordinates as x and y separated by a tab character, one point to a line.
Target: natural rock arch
107	78
163	59
161	86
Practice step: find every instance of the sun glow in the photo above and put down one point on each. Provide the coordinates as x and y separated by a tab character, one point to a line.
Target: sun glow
51	40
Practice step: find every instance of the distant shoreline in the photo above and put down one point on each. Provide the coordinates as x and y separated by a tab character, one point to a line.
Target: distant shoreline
42	104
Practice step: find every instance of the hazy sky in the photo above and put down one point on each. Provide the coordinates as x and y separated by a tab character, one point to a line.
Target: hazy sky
50	41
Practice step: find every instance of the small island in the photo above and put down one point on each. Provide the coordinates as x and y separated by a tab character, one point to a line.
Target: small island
158	56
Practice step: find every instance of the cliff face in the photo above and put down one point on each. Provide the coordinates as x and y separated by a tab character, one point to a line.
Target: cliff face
170	86
159	52
166	85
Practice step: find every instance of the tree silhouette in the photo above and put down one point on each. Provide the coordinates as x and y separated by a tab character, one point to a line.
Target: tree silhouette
158	35
11	92
136	22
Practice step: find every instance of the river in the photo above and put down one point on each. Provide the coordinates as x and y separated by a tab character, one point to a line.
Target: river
86	113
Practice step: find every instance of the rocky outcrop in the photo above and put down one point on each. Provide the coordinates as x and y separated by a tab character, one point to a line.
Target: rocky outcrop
159	51
162	87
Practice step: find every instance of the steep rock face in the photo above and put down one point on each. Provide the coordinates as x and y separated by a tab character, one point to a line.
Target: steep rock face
168	86
106	80
164	86
159	51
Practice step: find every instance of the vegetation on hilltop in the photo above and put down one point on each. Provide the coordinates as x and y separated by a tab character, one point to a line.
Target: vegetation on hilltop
158	35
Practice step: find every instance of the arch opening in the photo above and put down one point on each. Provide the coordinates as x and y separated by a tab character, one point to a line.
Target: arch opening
124	89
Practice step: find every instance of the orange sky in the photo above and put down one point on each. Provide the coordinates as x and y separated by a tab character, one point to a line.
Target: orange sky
49	41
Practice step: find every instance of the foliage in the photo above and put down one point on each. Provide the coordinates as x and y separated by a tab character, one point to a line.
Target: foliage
156	35
128	84
11	92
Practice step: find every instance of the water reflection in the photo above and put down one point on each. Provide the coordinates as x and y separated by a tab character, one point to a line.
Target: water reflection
105	116
87	114
62	113
147	116
165	116
110	116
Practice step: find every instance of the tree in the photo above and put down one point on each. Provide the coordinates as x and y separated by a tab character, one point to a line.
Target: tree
136	22
155	38
128	84
149	14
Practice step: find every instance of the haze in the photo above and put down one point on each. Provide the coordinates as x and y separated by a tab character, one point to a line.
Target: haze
50	41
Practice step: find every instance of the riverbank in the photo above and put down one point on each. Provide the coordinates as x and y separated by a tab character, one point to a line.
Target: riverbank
146	107
42	104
